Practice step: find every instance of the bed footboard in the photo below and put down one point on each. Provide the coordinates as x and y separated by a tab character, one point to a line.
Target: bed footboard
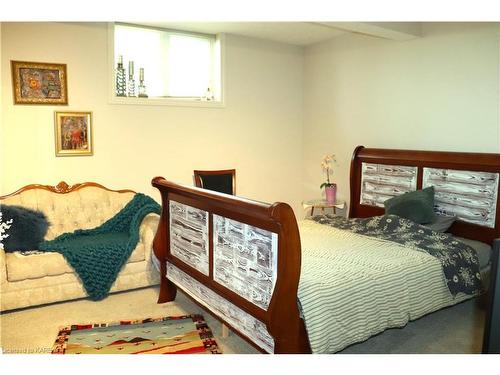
238	258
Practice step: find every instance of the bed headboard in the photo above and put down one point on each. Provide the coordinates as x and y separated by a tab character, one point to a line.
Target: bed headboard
466	185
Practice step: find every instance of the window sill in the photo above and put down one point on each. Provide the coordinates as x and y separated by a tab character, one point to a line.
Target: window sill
166	102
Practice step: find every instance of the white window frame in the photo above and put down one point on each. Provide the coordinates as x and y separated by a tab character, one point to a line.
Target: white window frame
161	101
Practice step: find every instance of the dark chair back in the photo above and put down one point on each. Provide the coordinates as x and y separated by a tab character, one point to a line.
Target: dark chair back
222	181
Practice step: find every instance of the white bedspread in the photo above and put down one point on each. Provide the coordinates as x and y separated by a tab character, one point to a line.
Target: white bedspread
353	287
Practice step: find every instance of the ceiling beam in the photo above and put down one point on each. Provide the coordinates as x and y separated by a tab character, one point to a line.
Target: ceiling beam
387	30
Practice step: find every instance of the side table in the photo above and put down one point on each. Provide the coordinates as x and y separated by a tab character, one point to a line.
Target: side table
323	203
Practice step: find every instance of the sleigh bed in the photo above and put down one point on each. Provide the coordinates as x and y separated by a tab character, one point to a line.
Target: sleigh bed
243	260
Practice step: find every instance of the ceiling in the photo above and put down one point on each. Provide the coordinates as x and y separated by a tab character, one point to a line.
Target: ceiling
297	33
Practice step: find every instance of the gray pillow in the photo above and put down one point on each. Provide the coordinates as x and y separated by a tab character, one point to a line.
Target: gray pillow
442	223
418	206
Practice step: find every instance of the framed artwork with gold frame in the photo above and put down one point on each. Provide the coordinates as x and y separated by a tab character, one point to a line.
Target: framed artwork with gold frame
73	133
39	83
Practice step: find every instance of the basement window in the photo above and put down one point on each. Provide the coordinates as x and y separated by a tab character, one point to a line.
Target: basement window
162	66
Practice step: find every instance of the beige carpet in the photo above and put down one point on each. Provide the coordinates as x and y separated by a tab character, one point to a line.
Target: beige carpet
457	329
33	330
454	330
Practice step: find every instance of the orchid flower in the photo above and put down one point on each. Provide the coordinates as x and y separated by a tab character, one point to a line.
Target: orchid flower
326	165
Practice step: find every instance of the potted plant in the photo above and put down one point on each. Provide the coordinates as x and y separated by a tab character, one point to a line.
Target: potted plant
330	187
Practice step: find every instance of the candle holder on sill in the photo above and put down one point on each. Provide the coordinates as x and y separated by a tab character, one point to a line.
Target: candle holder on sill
142	86
121	81
208	95
131	82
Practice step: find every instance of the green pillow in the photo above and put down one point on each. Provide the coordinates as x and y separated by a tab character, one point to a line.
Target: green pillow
418	206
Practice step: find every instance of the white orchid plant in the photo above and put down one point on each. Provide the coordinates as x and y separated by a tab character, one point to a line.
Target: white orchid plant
326	165
3	229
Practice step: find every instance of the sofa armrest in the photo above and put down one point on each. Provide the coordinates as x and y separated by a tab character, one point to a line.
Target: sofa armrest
147	233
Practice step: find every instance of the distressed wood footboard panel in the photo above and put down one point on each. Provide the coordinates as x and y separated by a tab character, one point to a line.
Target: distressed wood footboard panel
238	258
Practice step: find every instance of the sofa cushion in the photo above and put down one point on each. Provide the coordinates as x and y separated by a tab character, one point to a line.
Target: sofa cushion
21	267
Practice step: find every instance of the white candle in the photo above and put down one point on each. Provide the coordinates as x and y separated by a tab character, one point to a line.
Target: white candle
130	68
141	74
120	59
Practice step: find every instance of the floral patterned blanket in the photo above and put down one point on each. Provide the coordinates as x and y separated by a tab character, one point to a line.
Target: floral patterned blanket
459	261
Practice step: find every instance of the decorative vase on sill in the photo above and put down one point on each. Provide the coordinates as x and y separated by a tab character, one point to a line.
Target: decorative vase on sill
331	193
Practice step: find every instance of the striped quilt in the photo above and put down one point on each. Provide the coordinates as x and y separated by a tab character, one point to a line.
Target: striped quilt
353	286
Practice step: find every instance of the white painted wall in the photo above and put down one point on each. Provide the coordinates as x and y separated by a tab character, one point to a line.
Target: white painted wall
286	108
438	92
1	114
258	132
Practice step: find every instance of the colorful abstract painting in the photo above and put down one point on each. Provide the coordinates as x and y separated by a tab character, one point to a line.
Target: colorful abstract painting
39	83
73	131
187	334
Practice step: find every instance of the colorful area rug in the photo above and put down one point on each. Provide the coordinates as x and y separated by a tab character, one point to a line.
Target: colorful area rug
187	334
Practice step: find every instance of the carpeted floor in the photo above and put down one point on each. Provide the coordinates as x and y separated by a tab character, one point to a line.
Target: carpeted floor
454	330
33	330
458	329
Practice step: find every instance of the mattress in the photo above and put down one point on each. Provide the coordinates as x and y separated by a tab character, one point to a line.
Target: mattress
353	286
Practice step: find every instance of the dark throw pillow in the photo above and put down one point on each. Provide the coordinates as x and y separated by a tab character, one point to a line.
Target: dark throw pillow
27	230
418	206
442	223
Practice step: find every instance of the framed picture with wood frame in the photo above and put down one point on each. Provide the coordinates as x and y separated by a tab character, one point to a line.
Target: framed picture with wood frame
39	83
73	133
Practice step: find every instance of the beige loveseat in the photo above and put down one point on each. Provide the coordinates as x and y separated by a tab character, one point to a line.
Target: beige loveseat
29	280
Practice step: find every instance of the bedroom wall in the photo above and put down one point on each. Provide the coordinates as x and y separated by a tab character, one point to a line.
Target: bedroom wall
1	114
258	132
438	92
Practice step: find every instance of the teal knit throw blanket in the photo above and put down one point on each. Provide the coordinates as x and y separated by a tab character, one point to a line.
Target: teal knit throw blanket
97	255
